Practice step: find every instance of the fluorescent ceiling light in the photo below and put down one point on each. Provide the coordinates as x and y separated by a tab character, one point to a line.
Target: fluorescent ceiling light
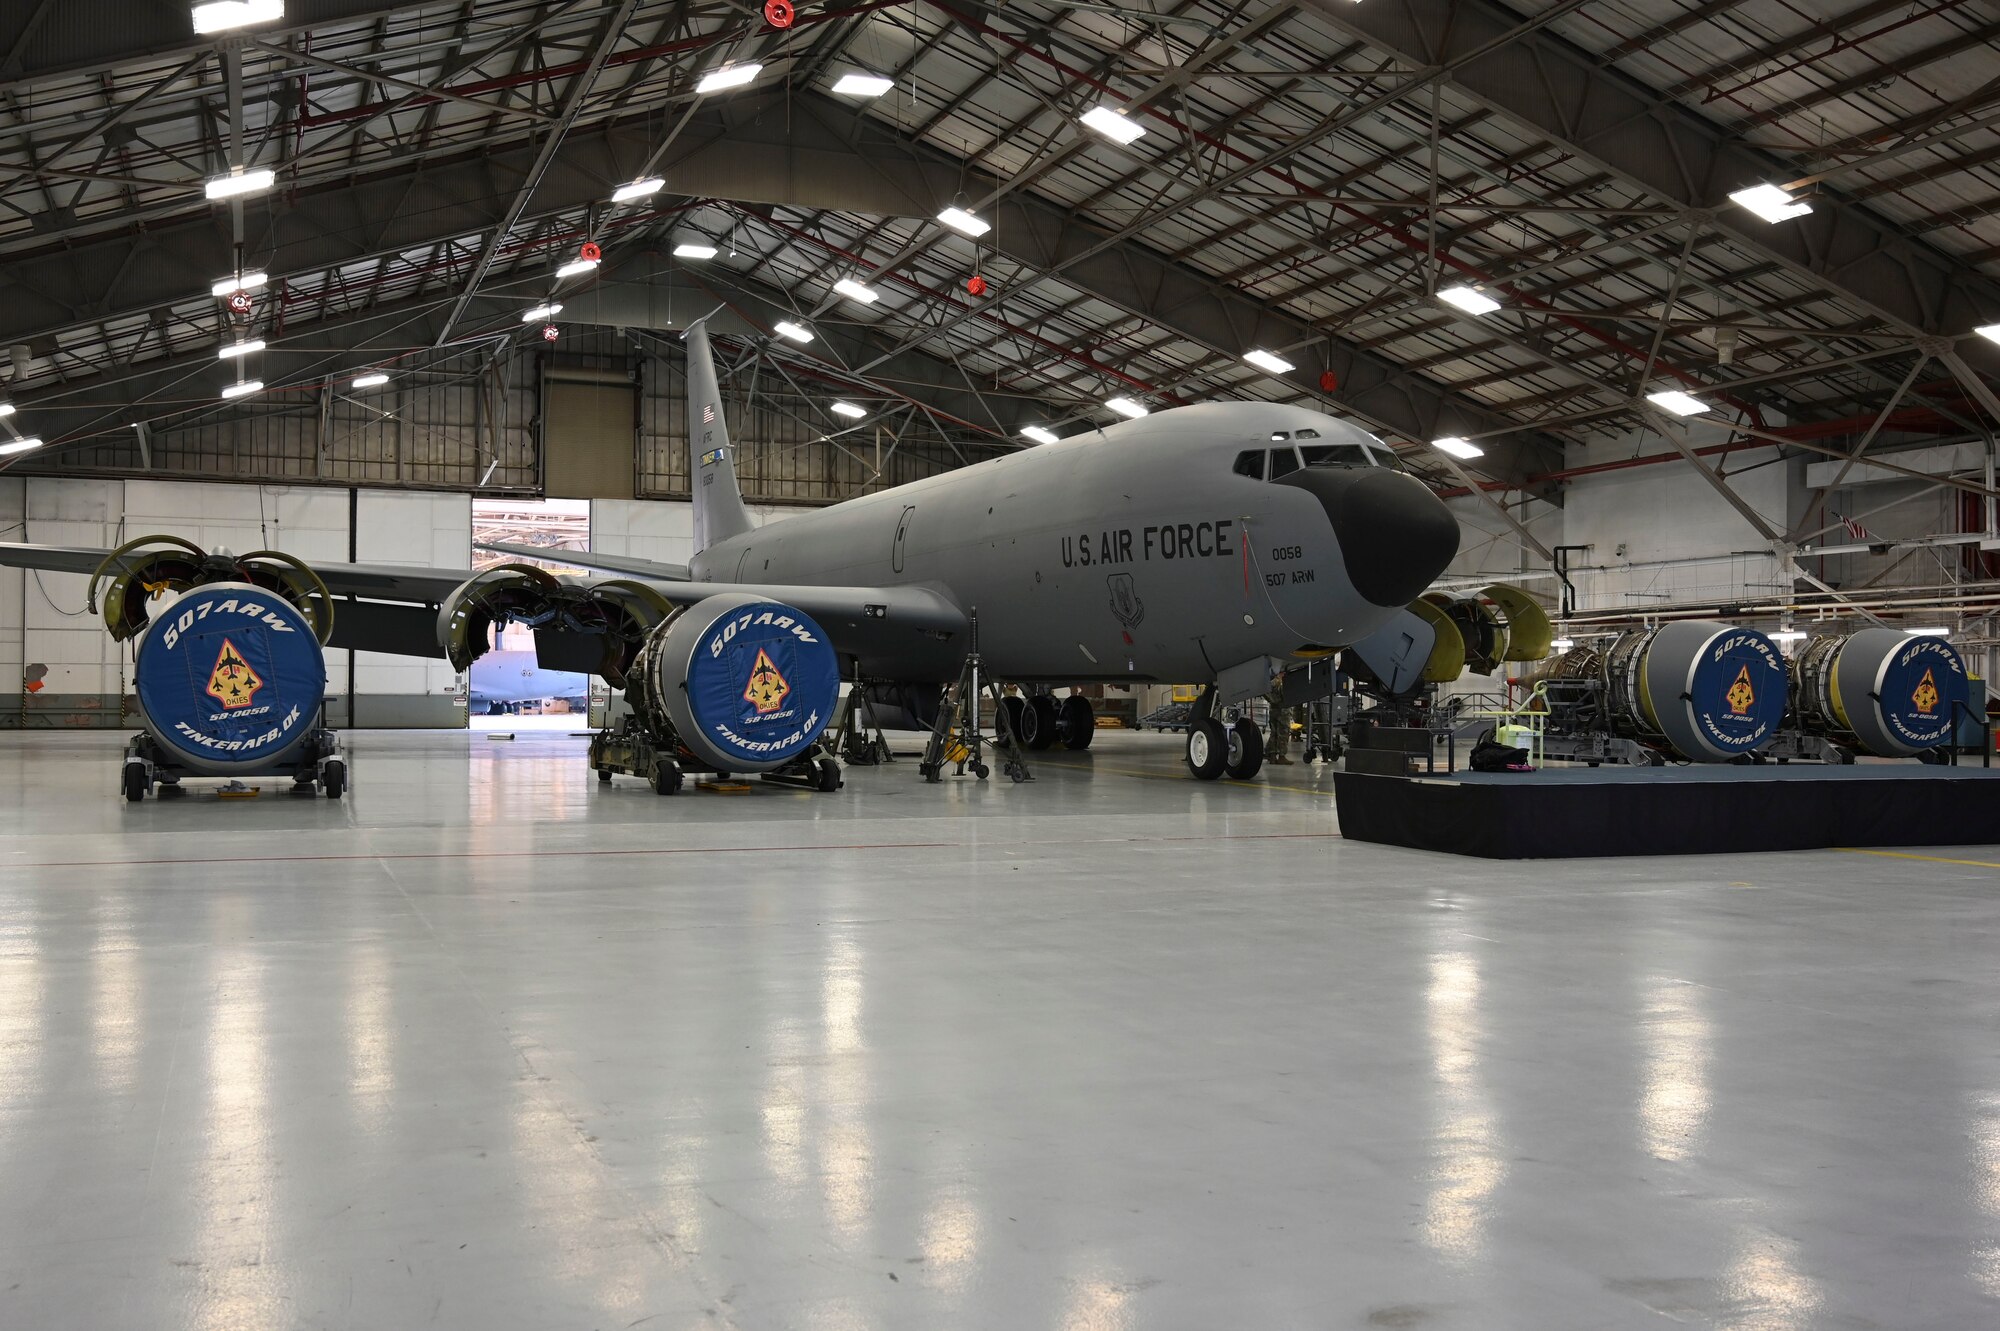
1038	434
1770	202
229	286
1472	302
637	189
1264	360
1928	633
247	386
863	85
541	312
1991	332
729	76
235	350
222	15
1111	123
796	332
240	182
25	445
1458	448
375	380
692	250
960	220
1787	635
849	410
847	286
577	268
1679	403
6	409
1562	644
1125	406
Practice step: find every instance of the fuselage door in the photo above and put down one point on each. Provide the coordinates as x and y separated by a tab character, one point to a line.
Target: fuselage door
902	530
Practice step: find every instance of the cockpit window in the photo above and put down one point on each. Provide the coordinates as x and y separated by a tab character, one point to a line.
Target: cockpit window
1283	462
1251	464
1320	455
1279	436
1307	434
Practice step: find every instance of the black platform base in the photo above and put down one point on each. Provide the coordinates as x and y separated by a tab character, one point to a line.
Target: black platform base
1566	813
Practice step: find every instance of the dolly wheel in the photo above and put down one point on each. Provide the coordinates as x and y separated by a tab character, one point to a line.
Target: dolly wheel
135	783
666	777
828	775
333	779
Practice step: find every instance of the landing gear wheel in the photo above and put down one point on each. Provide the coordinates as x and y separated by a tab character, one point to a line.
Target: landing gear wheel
1038	722
135	783
1207	749
1012	715
334	780
1246	750
827	774
1079	723
666	777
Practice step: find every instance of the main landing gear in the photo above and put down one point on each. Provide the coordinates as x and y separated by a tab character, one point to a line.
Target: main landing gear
1043	721
1216	749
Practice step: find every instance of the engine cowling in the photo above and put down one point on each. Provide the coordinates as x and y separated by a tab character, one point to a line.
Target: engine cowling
619	612
743	683
230	678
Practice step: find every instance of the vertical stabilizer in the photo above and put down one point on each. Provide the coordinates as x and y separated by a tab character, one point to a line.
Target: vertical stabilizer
718	501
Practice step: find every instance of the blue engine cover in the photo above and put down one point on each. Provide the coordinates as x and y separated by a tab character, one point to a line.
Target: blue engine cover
1907	703
230	678
759	684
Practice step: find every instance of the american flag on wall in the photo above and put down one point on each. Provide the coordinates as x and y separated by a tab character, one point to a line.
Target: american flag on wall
707	413
1854	528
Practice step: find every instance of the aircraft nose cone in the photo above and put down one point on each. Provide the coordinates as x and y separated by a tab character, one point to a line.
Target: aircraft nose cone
1395	535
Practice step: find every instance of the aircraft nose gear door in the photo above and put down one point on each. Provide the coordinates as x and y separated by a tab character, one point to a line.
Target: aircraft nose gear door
902	530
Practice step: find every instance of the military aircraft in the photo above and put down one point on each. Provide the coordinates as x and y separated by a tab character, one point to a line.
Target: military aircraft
503	678
1211	544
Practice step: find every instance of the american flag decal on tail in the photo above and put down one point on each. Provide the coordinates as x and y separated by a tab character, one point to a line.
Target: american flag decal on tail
707	413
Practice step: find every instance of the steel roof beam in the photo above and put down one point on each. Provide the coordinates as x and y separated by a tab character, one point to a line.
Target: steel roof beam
1544	83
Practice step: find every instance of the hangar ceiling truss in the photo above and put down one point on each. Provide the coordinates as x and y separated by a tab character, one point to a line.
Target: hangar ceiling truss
1311	176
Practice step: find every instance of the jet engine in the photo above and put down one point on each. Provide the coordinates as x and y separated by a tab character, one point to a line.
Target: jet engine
1706	691
229	667
736	683
1880	691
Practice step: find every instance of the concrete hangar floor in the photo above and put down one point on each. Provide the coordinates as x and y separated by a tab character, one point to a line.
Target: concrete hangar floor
489	1045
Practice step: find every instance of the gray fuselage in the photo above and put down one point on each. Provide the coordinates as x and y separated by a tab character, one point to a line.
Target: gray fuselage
1134	553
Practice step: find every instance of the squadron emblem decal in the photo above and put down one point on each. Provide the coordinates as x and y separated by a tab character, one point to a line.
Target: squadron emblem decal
1926	695
1742	694
232	682
1125	602
768	687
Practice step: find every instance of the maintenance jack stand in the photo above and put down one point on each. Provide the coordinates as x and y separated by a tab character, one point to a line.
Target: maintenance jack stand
956	739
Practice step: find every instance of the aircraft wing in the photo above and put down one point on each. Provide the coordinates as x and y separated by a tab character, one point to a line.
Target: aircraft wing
627	566
908	632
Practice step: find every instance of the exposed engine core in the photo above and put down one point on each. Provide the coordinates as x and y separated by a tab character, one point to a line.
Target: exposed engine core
1879	690
742	683
1708	691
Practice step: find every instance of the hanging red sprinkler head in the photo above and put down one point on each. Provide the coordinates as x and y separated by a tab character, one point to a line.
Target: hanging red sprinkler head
1328	381
550	332
975	285
779	13
591	252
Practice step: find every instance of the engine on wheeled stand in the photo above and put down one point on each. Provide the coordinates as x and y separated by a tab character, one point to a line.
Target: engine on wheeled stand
733	683
229	666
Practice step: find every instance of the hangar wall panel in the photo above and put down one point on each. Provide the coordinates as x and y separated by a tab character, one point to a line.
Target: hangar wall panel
43	620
